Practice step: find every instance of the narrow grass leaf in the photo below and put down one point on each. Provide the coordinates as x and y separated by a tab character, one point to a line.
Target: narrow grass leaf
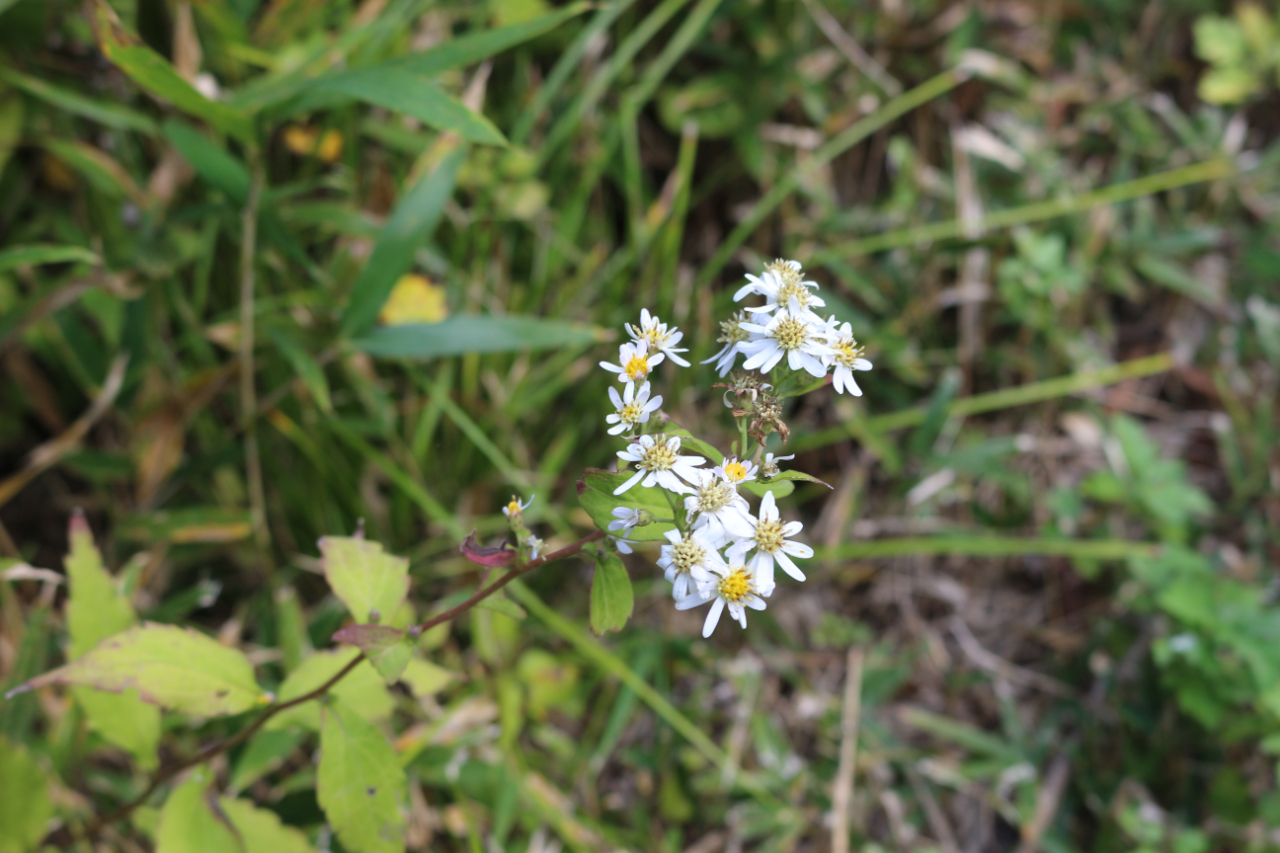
212	162
359	783
473	47
153	73
612	598
410	225
169	666
38	254
371	583
474	333
102	111
304	364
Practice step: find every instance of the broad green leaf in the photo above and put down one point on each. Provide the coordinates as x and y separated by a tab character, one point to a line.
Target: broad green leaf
188	825
475	333
372	584
400	91
410	225
266	752
595	494
153	73
210	160
504	605
360	783
612	599
261	829
1220	40
95	609
25	806
1229	85
169	666
36	255
425	678
95	109
124	720
387	648
363	690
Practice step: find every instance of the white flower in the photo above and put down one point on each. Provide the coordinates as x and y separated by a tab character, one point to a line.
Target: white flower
732	335
686	559
782	281
737	472
660	464
633	407
634	362
623	545
658	336
846	355
535	545
768	537
514	509
789	333
625	518
732	586
717	507
769	468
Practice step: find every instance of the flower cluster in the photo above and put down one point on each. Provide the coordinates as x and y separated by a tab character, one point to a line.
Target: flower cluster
718	551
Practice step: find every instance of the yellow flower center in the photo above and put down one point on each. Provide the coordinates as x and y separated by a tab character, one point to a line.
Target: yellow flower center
790	333
769	537
796	289
736	586
637	367
848	351
731	332
659	457
735	471
513	508
686	554
784	271
630	413
714	496
656	337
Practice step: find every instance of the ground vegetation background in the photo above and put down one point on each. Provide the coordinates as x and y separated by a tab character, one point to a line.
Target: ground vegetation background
1042	613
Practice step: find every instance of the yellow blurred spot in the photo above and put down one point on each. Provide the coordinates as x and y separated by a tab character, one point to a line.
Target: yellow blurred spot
56	174
414	300
305	140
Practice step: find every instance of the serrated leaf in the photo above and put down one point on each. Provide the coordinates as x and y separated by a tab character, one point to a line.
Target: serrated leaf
153	73
188	825
425	678
169	666
612	599
385	647
25	806
371	583
261	829
362	690
123	720
95	608
359	783
595	494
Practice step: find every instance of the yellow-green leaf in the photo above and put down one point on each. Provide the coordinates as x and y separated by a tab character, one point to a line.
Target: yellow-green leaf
261	829
362	690
124	720
387	648
360	783
612	599
425	678
95	609
188	825
169	666
370	582
25	806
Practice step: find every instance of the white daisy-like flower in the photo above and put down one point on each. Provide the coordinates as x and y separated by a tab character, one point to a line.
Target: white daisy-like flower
635	362
769	468
716	506
624	518
769	539
535	545
514	509
846	355
781	282
658	336
732	335
660	463
632	407
732	586
686	559
789	333
737	472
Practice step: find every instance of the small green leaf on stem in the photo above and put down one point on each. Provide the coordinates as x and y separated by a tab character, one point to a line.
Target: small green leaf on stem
595	493
612	599
387	648
371	583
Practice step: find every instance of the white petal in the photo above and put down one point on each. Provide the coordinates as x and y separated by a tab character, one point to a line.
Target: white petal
768	507
612	368
614	397
755	603
635	479
861	364
788	566
713	618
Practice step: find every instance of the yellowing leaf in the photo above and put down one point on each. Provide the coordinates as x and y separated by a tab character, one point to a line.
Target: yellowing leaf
169	666
360	783
371	583
414	299
305	141
25	806
362	691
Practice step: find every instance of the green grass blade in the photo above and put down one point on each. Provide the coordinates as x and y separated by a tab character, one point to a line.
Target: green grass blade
990	546
475	333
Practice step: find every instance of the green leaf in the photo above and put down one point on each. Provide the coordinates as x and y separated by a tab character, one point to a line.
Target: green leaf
265	752
124	720
210	160
261	829
156	76
425	678
35	255
612	599
25	806
188	825
95	109
473	47
13	110
401	91
503	605
360	783
1229	85
304	364
213	524
169	666
371	583
1220	40
363	690
387	648
595	494
475	333
95	609
411	223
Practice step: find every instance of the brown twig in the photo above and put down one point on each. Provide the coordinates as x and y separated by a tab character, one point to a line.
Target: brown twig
63	839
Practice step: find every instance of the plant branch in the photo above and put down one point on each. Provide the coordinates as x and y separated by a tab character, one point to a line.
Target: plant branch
248	397
64	839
